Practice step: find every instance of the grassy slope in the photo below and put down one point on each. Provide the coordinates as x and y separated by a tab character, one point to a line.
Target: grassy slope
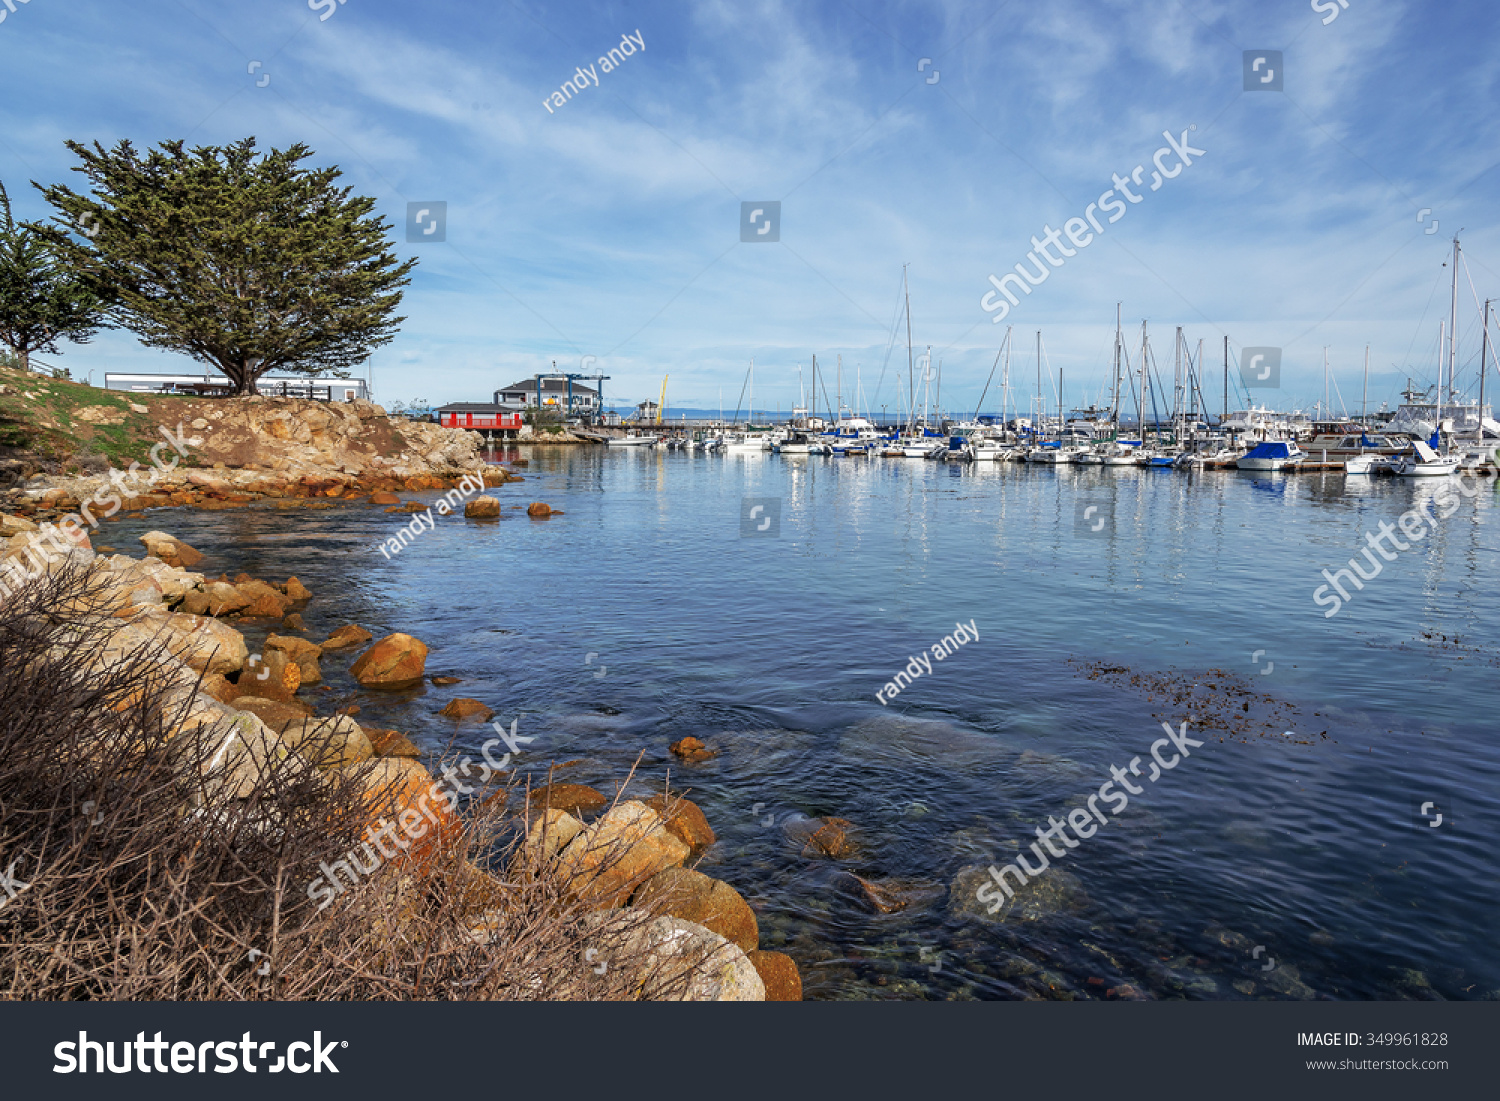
39	419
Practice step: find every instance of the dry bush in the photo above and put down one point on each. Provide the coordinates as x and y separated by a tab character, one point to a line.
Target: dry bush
164	861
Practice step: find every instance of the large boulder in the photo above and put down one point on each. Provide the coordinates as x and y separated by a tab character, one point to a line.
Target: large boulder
276	714
401	793
395	662
205	645
613	856
711	903
216	598
779	973
686	962
550	832
305	654
685	821
390	743
328	742
263	601
174	552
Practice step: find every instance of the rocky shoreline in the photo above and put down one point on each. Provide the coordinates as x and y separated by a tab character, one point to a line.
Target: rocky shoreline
611	854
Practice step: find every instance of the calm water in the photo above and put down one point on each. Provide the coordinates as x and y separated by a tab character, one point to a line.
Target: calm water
1287	857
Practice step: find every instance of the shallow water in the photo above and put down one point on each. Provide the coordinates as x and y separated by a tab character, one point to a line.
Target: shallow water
1286	857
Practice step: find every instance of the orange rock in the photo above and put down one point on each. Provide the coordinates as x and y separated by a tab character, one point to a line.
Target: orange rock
408	807
396	661
296	590
617	853
347	636
390	743
538	511
383	498
711	903
465	708
444	682
566	797
779	972
686	822
691	749
482	508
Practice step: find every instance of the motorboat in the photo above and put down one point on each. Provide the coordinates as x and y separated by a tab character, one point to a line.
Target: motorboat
1271	455
631	441
1370	463
1422	462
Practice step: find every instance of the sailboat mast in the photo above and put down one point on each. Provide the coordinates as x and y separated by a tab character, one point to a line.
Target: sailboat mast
1041	409
1364	397
751	413
1114	413
1484	351
911	370
1452	328
1005	396
1324	406
1226	380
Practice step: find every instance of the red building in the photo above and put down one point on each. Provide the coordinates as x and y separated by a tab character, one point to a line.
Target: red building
481	418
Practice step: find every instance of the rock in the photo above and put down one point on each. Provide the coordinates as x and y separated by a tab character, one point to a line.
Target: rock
217	687
296	591
691	749
220	600
383	498
347	637
685	822
538	511
402	793
550	832
445	682
687	962
328	742
465	708
273	676
205	645
246	755
395	662
276	714
568	797
711	903
823	837
1053	892
390	743
779	974
619	852
482	508
14	525
303	653
294	622
890	896
263	601
172	551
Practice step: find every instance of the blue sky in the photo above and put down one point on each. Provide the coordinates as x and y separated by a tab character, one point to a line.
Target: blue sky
609	227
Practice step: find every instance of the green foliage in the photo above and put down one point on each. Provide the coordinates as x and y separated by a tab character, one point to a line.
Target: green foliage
247	262
41	300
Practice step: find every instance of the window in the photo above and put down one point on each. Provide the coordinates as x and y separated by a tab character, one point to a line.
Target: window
348	395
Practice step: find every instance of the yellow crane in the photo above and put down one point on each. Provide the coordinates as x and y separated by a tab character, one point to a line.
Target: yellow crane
661	406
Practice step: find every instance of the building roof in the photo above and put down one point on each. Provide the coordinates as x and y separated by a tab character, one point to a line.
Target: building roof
474	407
549	385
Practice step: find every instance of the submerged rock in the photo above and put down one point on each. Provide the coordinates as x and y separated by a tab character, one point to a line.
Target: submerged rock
691	749
465	708
1052	893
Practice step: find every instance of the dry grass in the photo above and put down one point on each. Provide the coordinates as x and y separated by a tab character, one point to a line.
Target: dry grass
150	876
